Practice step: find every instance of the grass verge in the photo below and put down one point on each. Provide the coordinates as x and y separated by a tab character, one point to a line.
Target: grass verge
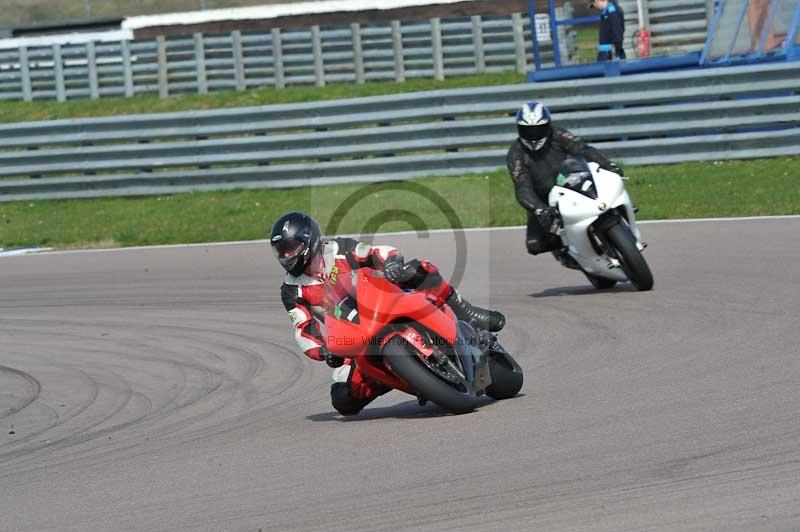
12	111
586	42
735	188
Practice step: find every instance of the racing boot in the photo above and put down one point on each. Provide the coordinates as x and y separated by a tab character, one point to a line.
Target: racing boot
490	320
357	391
344	402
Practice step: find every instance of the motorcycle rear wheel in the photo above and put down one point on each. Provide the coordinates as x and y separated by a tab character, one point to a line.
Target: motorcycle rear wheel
426	384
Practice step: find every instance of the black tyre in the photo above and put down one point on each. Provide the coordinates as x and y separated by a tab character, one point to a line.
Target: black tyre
506	376
601	283
624	247
411	369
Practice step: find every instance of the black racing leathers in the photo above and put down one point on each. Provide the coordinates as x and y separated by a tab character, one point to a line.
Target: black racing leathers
534	175
612	32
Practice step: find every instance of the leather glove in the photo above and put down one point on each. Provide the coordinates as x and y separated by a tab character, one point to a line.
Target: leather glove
396	270
332	360
616	169
547	218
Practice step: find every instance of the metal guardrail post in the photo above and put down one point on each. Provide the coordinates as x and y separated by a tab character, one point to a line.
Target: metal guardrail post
277	58
200	63
643	9
477	43
519	42
358	52
58	72
91	62
436	48
554	37
537	56
316	48
25	73
238	60
397	48
127	68
163	73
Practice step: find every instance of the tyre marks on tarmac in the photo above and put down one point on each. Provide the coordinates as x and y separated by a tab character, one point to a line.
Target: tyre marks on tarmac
171	397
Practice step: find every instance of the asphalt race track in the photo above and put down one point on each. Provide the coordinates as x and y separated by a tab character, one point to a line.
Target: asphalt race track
160	390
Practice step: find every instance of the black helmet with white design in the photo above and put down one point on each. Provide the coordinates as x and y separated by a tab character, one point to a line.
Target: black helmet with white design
533	125
295	239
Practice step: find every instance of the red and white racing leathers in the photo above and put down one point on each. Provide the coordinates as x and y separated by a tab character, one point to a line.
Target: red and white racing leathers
307	299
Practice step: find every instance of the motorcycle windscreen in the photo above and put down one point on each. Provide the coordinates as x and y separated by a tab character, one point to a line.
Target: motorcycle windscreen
576	175
610	187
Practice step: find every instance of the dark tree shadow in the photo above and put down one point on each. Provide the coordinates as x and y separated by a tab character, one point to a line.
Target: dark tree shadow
405	410
584	290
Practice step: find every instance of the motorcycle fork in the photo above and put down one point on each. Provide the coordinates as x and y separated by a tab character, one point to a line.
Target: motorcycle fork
598	229
598	244
424	342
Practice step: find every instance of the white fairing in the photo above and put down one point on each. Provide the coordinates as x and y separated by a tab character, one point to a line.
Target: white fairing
578	212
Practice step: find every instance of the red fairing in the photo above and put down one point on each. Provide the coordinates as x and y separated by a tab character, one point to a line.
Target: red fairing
381	303
344	338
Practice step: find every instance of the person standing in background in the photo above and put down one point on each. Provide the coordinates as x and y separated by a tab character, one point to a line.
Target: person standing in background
612	30
758	15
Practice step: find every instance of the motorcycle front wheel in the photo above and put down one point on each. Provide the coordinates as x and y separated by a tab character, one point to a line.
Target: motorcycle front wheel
633	264
506	376
432	388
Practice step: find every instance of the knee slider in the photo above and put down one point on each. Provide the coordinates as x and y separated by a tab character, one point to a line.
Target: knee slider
343	401
534	246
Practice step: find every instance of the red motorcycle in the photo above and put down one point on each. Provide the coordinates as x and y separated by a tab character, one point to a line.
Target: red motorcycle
402	339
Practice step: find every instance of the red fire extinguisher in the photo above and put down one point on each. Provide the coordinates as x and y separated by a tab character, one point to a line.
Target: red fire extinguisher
642	42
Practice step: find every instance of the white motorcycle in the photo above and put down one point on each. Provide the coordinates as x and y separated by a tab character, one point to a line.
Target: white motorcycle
598	226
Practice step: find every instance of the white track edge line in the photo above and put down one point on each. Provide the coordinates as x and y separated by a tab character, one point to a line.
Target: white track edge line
402	233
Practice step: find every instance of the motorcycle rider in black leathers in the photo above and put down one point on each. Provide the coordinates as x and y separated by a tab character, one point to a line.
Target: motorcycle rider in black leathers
534	161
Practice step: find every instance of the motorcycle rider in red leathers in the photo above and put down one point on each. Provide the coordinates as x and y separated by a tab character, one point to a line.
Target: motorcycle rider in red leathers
319	276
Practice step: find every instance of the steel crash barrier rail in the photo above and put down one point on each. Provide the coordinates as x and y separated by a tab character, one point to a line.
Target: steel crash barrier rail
700	115
204	63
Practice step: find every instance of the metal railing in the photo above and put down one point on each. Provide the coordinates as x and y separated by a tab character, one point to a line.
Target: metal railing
676	26
356	53
698	115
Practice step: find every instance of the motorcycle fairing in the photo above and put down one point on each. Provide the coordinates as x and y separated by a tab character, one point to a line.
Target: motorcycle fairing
580	212
382	307
381	303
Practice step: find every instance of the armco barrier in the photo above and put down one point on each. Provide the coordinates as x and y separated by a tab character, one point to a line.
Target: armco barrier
710	114
279	58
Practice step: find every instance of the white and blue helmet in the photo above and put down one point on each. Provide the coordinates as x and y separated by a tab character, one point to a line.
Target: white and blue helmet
533	125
